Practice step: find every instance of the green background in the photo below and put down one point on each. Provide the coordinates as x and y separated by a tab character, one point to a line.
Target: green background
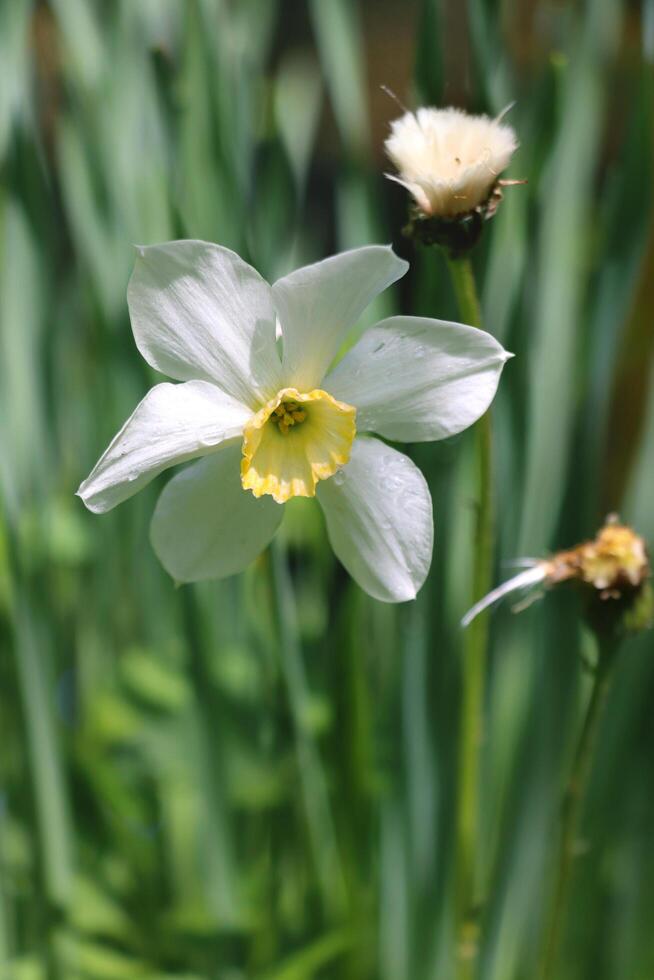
256	778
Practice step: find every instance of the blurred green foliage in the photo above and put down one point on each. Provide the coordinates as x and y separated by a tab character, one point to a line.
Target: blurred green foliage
256	778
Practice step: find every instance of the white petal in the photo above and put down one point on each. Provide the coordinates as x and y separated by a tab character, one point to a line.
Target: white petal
173	423
524	580
415	379
414	188
206	526
318	304
379	520
200	311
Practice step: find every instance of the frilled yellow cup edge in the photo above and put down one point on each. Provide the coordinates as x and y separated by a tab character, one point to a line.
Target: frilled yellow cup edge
302	486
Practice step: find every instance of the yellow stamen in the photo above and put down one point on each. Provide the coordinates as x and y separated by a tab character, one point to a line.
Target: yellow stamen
296	439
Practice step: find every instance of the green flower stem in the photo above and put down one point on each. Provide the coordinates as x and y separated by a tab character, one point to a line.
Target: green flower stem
313	782
474	660
465	290
572	802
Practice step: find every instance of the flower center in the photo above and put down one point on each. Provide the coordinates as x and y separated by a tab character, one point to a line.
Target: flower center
287	414
296	439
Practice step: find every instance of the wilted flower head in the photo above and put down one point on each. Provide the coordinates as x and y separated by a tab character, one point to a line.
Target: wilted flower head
274	419
449	161
614	565
615	561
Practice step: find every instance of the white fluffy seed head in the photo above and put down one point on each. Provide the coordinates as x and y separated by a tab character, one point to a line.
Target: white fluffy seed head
447	159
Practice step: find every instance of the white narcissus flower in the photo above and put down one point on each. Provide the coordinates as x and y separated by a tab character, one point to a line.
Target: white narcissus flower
449	160
271	425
